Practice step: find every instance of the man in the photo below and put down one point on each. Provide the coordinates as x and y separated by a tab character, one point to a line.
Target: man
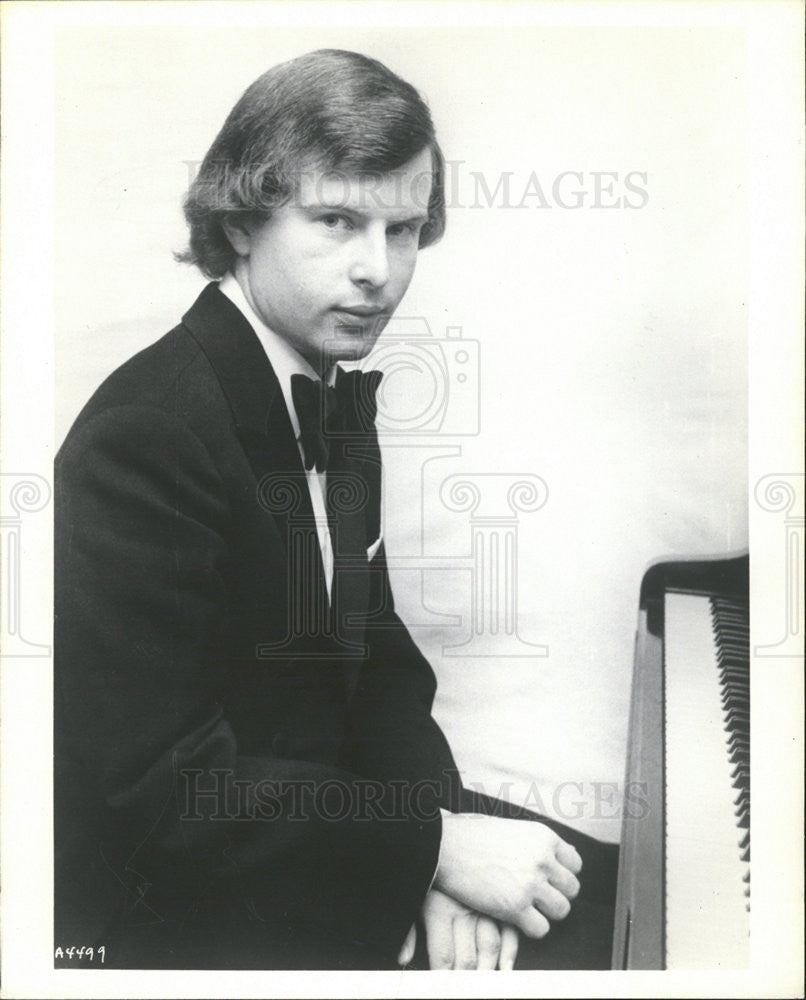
247	771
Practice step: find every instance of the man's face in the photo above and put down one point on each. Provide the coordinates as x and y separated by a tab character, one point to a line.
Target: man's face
327	270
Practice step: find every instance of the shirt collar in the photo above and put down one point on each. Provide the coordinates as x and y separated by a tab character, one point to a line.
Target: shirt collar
283	358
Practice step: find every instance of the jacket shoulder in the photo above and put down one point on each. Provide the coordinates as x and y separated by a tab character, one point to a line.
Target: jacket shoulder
172	375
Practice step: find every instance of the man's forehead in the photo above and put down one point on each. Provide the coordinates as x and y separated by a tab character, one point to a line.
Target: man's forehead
403	191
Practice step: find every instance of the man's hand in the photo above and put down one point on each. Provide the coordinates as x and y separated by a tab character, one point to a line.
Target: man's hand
517	871
459	938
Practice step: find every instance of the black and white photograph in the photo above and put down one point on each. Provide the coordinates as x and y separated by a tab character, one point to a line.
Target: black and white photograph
403	499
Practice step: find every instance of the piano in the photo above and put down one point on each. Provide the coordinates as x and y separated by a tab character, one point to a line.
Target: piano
683	897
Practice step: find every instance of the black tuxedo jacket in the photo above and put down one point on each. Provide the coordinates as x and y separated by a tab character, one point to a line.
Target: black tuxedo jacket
234	786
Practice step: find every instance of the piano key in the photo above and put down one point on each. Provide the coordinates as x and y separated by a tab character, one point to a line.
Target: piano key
706	916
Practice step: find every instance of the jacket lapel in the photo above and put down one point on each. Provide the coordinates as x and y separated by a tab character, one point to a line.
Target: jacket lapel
262	424
237	357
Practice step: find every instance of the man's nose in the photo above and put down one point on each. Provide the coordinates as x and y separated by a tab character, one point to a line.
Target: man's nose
370	264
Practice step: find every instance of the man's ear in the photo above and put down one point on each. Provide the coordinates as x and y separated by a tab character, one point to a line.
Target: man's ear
238	229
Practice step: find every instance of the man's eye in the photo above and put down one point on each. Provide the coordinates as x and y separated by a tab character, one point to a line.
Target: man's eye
401	229
334	221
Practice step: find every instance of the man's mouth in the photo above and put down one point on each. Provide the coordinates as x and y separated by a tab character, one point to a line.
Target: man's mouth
361	311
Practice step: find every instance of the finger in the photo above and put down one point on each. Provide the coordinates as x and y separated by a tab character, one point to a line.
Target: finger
533	923
550	902
439	943
569	856
562	880
509	948
406	953
488	943
465	955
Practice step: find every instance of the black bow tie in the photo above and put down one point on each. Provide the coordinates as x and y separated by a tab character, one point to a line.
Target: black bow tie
346	409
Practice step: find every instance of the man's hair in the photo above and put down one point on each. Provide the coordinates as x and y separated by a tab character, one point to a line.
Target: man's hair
327	110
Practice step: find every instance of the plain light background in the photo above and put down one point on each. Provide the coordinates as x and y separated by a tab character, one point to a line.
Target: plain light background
611	341
33	313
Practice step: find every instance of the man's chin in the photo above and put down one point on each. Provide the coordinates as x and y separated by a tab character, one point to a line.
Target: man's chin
351	344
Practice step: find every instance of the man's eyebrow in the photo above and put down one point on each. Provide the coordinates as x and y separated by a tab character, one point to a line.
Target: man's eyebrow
410	220
316	206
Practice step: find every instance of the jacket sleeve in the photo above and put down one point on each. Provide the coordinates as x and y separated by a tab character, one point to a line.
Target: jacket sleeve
142	528
391	733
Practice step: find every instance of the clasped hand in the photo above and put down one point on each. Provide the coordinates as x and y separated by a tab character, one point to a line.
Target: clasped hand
494	875
459	938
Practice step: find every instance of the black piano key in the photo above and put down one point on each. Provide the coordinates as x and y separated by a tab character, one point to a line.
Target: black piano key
739	697
731	660
730	622
730	678
729	656
732	714
735	692
729	643
738	702
729	667
738	740
732	689
730	617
